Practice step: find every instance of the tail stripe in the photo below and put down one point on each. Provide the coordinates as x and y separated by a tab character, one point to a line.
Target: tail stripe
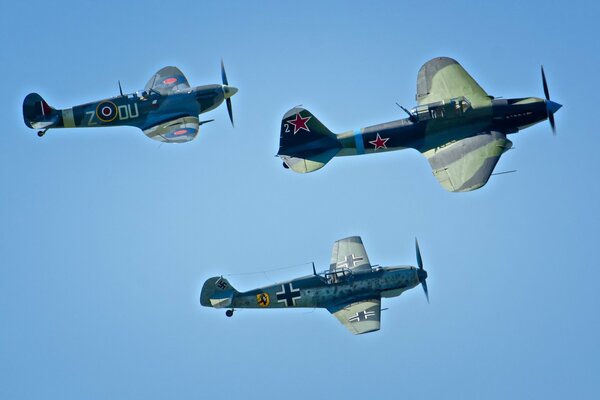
358	140
68	118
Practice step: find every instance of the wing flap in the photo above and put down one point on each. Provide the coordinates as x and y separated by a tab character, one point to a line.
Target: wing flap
178	130
359	317
467	164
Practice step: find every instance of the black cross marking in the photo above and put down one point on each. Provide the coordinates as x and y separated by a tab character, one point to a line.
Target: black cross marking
362	316
349	261
288	294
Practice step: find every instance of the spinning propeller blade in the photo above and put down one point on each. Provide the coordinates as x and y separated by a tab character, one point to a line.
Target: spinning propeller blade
228	91
421	272
551	107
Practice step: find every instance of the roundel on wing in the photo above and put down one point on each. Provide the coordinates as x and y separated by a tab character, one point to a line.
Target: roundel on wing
181	132
106	111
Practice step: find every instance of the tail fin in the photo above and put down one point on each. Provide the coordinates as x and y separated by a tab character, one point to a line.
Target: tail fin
217	292
37	114
305	144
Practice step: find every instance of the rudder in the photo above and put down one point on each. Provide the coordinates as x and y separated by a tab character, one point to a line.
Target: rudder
37	114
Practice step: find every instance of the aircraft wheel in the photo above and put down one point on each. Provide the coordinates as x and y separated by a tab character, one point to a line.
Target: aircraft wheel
229	313
41	133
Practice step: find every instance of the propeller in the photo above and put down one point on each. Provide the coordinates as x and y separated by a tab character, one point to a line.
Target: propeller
228	92
551	106
422	274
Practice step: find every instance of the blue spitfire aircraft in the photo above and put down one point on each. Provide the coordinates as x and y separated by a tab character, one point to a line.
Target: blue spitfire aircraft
351	289
166	110
456	125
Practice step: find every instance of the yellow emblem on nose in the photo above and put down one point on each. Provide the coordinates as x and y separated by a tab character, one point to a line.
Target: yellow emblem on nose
263	299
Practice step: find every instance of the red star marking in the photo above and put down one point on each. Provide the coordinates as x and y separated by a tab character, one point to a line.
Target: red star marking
379	142
299	123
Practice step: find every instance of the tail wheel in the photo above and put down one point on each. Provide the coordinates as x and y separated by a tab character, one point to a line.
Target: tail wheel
229	313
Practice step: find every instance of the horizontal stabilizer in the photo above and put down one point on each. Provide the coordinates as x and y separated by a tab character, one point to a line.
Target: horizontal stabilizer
221	302
303	165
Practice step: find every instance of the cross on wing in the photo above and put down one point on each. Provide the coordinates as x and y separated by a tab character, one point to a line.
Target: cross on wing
349	253
359	317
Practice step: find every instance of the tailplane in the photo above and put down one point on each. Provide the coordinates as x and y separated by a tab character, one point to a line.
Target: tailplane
305	144
217	292
37	114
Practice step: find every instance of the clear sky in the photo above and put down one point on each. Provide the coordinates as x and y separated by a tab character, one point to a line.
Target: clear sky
107	236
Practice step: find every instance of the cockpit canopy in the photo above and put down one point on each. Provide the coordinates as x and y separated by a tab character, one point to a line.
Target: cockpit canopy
455	107
338	275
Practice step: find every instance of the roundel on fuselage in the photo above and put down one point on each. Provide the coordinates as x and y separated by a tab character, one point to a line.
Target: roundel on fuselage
106	111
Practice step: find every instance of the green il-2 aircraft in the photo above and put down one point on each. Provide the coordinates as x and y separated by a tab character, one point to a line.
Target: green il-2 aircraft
351	289
166	110
456	125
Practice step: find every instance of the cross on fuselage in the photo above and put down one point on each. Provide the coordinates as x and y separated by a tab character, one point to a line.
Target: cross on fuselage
288	295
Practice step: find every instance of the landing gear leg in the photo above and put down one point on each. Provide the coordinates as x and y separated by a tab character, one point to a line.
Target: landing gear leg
229	313
42	132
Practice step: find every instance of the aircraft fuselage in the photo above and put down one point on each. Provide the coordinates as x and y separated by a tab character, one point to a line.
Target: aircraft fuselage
141	112
433	125
325	291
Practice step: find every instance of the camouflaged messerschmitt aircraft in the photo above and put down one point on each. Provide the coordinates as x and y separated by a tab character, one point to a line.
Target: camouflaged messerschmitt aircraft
166	110
351	289
456	125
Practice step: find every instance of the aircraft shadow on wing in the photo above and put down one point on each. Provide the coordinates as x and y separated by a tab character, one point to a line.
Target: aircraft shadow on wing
456	125
167	109
351	289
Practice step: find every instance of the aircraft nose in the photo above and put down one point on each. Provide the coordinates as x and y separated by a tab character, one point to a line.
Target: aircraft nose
229	91
552	107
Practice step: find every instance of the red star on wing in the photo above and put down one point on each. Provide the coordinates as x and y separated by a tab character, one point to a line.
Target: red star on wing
299	123
379	142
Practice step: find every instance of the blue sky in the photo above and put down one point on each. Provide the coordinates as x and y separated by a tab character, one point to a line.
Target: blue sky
106	236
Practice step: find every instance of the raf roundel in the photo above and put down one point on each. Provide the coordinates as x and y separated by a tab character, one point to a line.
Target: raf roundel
106	111
170	81
180	132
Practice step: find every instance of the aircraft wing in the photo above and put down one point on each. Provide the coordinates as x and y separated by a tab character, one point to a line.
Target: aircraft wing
467	164
360	317
349	253
177	130
443	78
168	80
